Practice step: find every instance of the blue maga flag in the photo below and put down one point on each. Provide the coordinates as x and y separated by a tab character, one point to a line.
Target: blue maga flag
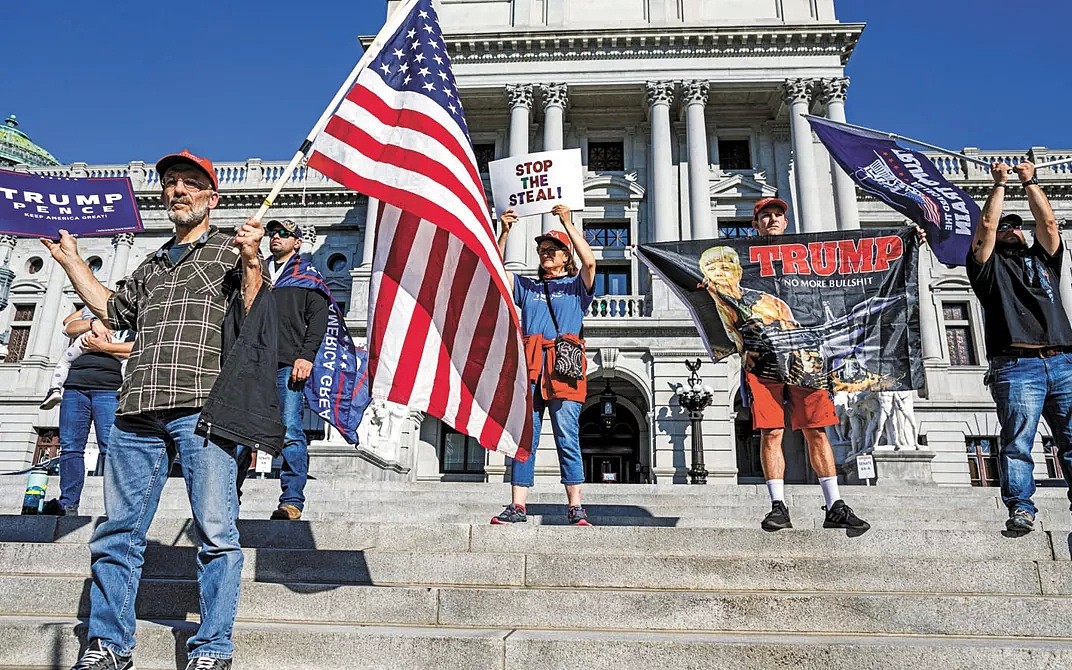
33	205
907	181
337	389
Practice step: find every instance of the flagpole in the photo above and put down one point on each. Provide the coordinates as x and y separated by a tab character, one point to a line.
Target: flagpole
894	136
388	30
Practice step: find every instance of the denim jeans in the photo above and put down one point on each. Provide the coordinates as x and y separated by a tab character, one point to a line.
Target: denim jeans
294	472
564	422
79	408
1025	389
140	456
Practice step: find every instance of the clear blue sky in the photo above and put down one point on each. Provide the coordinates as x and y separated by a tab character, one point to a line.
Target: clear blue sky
109	82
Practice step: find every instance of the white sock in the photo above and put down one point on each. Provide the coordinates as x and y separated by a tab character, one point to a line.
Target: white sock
776	489
830	490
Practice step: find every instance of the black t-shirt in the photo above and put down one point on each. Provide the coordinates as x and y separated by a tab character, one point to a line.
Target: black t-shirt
1019	290
95	371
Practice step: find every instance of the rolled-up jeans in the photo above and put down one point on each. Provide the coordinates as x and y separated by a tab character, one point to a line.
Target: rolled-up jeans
1025	389
565	415
140	454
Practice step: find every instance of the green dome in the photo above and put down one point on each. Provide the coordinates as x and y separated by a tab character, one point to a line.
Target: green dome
16	147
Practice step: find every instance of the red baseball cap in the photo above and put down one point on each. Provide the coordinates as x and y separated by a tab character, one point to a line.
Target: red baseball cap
184	156
768	202
558	237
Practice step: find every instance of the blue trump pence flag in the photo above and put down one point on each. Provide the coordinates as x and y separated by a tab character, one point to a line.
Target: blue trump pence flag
907	181
337	389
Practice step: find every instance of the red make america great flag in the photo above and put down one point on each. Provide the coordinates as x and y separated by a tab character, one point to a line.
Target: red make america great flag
444	336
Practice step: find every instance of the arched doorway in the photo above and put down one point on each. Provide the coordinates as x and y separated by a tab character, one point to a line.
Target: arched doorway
611	456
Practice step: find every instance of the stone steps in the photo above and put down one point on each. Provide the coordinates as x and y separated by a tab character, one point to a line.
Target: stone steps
53	642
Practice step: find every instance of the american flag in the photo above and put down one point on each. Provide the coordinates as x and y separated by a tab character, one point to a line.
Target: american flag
444	337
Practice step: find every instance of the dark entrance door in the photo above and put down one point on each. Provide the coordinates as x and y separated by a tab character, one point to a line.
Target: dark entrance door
610	456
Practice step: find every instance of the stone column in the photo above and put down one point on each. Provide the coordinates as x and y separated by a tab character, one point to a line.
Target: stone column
371	219
555	101
44	331
520	99
660	95
703	226
848	212
123	243
929	333
783	168
798	97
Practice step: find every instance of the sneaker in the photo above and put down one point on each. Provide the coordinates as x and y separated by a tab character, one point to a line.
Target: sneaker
52	398
96	657
841	515
778	517
577	516
282	513
1020	521
207	663
54	508
512	514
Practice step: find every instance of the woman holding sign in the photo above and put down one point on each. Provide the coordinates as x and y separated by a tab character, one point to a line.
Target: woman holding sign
552	311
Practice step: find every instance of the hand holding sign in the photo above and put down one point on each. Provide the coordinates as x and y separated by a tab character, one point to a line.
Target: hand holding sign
65	251
534	183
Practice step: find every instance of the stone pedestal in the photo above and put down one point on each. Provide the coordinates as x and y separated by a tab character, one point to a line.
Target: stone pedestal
907	467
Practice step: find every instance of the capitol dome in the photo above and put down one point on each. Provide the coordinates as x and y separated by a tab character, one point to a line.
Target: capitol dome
16	147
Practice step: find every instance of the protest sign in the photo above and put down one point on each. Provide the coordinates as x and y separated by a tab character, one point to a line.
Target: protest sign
828	310
34	205
534	183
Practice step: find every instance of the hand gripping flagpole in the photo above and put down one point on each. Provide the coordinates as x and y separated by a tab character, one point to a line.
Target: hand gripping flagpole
388	30
893	136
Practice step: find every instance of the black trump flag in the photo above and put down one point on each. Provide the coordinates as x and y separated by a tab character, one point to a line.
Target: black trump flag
838	311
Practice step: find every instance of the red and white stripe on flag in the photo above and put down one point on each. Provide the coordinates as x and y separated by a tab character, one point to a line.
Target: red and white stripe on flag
444	337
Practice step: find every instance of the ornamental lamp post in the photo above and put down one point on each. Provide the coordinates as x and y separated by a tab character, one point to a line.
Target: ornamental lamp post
607	406
695	399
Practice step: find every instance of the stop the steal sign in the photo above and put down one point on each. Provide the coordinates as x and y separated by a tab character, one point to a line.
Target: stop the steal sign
534	183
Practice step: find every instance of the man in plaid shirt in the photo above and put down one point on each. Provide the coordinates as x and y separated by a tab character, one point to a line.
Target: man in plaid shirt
176	301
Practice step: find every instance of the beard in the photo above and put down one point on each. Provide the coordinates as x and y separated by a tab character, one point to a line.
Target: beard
188	218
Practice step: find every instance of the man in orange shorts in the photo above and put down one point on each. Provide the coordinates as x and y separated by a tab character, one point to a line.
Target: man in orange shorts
747	312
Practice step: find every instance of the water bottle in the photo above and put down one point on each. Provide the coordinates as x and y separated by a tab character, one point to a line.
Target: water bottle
36	484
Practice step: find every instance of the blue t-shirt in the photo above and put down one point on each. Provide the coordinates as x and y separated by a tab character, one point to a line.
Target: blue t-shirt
569	297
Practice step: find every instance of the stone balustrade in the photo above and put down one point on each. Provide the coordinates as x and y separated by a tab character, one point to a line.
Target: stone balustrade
619	307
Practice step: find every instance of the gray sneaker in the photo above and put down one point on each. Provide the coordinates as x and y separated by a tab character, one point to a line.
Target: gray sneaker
1020	521
512	514
97	657
208	663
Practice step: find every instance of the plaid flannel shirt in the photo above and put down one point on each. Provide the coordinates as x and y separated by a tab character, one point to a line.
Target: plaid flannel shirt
178	312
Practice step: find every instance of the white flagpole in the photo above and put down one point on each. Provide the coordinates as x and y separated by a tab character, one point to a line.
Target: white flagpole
892	136
388	30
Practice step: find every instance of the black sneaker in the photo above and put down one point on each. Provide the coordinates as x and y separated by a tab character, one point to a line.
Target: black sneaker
96	657
512	514
52	398
1020	521
54	508
778	517
207	663
841	515
577	516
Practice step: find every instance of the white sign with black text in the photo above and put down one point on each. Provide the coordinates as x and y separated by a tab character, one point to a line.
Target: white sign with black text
535	183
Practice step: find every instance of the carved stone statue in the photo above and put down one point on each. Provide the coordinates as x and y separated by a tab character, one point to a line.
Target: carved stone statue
862	408
905	428
842	431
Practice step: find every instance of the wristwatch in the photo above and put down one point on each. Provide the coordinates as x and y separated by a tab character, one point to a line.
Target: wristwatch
1033	180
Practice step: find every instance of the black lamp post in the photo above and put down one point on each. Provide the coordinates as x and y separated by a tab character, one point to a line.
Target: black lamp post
695	399
608	406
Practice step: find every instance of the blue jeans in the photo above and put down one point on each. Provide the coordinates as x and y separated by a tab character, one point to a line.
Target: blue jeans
142	446
564	422
1025	389
294	472
79	408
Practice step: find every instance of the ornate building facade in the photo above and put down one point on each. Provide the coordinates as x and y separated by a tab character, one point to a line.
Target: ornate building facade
685	112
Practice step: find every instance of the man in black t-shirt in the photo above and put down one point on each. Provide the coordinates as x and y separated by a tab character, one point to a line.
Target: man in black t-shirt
91	396
1028	336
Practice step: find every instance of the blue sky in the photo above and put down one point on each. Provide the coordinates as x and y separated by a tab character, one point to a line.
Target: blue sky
119	81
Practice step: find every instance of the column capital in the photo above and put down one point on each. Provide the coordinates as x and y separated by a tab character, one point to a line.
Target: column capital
695	92
8	241
779	132
834	89
555	95
126	239
519	95
308	236
660	92
797	90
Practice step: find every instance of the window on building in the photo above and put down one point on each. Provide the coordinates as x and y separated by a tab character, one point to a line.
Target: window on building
606	156
982	460
1053	463
337	262
95	263
613	280
47	446
735	154
34	265
607	233
958	333
485	153
736	229
459	454
21	323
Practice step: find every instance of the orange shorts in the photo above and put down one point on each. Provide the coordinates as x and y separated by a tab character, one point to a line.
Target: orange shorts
808	408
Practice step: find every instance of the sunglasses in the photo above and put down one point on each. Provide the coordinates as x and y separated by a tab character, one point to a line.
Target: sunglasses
548	249
1009	225
281	232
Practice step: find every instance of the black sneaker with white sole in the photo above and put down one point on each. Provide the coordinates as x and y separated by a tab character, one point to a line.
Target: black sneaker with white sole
207	663
841	515
97	657
778	517
52	398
